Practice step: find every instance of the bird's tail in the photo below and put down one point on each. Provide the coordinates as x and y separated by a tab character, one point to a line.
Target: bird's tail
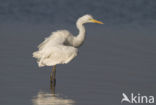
40	64
37	55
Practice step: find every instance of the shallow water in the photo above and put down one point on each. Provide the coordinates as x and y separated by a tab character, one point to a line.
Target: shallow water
112	61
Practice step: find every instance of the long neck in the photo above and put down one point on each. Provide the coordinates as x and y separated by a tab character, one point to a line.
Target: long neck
79	39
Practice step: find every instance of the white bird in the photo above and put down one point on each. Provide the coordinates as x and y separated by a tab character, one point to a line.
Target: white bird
61	46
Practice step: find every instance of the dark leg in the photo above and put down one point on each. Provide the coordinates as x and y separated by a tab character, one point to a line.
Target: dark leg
53	77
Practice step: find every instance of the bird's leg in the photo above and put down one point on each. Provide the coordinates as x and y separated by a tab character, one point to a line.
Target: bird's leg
53	77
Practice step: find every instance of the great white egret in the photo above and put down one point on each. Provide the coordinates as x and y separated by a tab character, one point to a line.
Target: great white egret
61	46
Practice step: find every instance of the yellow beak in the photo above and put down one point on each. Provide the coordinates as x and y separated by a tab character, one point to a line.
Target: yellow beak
96	21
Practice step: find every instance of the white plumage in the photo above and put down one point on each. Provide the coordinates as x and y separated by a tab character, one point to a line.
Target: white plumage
52	51
61	46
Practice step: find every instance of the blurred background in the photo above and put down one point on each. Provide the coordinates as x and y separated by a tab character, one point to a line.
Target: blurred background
60	11
117	57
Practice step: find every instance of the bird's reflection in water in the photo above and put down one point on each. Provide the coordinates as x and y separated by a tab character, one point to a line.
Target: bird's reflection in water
50	99
44	98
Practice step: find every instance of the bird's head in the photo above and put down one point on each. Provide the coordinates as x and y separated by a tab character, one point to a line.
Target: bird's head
88	19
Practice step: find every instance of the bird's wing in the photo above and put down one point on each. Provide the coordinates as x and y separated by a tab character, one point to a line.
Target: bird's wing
52	50
60	54
58	37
